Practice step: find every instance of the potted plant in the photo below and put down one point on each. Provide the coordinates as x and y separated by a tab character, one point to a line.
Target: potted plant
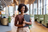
9	19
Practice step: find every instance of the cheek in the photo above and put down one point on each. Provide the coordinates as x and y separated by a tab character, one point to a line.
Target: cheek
24	9
21	9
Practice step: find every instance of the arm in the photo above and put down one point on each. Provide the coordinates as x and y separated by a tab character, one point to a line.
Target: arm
19	25
29	23
16	19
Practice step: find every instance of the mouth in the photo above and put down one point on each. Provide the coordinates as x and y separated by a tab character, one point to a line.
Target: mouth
22	11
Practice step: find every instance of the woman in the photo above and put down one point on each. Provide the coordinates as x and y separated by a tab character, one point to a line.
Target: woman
20	18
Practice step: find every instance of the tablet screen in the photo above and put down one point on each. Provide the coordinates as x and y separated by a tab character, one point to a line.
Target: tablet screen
27	18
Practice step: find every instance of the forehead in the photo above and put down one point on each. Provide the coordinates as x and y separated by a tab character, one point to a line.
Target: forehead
23	7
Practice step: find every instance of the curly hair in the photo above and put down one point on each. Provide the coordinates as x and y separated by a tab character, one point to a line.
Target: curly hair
20	6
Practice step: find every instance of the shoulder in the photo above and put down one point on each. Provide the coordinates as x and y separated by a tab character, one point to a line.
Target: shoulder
17	15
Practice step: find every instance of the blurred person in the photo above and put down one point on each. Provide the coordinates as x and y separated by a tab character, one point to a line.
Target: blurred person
20	21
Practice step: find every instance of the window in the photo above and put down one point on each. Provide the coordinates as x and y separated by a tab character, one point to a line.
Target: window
6	10
35	8
46	6
31	9
17	10
16	7
10	10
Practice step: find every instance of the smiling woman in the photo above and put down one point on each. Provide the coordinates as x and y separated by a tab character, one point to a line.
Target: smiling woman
20	18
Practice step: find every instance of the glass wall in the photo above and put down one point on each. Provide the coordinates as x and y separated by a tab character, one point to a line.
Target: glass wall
35	8
11	8
16	7
46	6
41	7
17	10
31	9
6	10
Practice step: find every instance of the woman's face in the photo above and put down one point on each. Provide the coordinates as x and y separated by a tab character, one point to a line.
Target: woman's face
23	9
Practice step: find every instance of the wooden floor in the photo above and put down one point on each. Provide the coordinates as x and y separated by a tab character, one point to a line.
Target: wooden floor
36	27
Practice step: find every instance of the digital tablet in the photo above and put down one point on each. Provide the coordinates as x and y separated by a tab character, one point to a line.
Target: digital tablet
27	18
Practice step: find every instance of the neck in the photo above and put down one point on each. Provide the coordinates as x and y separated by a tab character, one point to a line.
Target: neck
22	13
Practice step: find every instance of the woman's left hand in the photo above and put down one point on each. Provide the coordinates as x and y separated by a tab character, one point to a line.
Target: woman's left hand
24	22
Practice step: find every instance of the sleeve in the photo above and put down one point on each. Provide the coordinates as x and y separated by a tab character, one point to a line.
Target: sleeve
16	19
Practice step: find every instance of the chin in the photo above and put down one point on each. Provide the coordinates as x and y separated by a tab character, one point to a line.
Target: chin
22	11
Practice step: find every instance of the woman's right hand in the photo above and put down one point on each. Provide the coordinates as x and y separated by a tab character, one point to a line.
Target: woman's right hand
23	24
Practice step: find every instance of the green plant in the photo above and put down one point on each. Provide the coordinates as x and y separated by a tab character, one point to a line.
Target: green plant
45	14
30	26
9	18
3	14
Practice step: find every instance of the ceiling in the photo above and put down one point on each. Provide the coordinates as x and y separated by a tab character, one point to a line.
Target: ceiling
5	2
10	2
26	1
36	1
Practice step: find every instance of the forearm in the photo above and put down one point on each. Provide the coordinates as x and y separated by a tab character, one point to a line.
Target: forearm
29	23
19	25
